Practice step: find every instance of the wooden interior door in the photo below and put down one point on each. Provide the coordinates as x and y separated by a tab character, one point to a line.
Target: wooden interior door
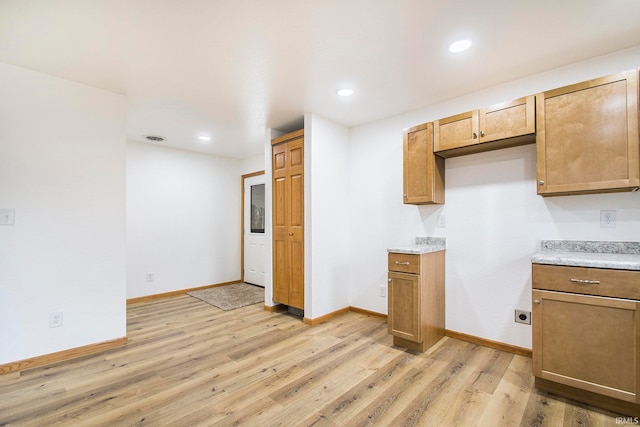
280	225
288	219
295	208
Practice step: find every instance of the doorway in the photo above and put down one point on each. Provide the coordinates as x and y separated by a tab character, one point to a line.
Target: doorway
253	223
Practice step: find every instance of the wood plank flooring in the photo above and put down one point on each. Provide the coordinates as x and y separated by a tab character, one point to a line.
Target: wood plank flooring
188	363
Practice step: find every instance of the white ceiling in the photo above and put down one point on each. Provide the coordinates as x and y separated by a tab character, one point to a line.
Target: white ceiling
232	68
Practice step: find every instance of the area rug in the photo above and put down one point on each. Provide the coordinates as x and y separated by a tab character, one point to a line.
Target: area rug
229	297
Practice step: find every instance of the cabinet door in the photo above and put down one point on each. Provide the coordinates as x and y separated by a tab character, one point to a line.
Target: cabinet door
423	170
587	342
587	136
508	119
404	306
456	131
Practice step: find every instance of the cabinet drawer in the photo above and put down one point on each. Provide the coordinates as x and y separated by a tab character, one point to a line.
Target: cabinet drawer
587	281
404	263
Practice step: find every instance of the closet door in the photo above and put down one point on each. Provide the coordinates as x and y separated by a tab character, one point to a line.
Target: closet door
288	219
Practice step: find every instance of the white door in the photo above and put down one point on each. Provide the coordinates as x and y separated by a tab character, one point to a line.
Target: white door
254	240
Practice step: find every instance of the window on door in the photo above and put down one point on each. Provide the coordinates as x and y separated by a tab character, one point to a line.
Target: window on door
257	208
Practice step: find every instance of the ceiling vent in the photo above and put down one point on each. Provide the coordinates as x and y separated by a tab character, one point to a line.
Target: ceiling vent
154	138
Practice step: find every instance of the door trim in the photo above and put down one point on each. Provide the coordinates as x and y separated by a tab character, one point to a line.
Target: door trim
244	177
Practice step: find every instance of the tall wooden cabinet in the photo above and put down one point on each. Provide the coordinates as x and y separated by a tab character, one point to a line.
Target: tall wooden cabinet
288	219
416	299
587	136
423	171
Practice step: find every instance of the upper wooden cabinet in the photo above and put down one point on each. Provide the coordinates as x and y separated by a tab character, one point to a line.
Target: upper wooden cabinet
587	136
423	170
499	126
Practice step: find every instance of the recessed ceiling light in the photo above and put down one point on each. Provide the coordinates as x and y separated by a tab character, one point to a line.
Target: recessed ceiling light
154	138
345	92
459	46
204	138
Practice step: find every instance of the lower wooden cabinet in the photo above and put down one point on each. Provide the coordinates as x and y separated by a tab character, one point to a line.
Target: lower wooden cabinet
416	299
587	345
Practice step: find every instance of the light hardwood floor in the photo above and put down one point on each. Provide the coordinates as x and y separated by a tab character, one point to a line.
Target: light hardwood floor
188	363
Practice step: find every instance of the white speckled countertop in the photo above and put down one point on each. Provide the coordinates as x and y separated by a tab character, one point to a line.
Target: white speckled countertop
423	245
573	253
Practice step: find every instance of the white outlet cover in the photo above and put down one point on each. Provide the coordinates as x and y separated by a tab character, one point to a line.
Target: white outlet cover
7	216
607	219
442	221
55	320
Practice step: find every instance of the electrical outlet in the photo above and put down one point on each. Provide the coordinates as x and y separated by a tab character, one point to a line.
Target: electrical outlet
607	219
7	216
523	316
383	291
149	277
55	319
441	221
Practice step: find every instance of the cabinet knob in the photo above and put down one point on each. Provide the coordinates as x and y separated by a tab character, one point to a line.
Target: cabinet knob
536	301
404	195
541	182
389	279
482	133
475	135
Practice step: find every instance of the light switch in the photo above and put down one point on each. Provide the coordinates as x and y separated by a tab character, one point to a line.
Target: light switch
7	216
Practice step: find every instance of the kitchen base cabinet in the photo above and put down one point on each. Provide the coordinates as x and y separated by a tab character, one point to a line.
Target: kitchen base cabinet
585	344
416	299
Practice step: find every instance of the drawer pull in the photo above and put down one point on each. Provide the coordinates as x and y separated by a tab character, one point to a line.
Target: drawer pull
586	282
403	263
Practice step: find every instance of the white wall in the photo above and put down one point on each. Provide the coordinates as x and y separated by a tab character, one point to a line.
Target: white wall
252	164
327	241
62	168
495	220
183	219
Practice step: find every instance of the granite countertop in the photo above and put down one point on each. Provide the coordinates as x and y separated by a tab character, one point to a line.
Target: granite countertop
595	254
423	245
